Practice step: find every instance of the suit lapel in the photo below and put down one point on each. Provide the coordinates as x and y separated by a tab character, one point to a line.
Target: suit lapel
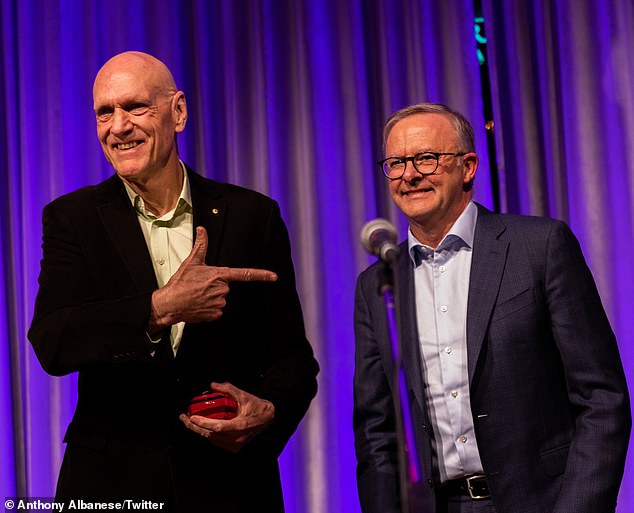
408	328
119	219
210	211
487	267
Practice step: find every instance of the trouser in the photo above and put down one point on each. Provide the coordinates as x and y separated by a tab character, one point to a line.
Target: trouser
464	504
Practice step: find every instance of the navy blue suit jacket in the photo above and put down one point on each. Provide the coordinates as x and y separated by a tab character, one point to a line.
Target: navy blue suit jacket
548	393
91	313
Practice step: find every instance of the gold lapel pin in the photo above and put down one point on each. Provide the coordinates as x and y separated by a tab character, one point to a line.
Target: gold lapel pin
214	211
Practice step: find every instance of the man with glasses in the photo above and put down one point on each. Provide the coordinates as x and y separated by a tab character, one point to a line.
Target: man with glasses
515	385
143	292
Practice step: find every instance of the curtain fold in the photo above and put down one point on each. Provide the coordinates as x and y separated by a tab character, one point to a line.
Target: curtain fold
288	97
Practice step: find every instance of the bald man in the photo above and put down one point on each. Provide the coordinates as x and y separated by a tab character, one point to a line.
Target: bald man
143	291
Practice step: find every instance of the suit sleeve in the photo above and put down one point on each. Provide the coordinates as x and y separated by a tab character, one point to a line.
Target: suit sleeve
373	417
289	375
72	327
595	379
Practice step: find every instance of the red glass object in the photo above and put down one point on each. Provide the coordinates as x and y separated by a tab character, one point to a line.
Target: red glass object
213	405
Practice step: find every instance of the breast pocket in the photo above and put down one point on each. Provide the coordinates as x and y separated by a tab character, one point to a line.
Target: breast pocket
510	305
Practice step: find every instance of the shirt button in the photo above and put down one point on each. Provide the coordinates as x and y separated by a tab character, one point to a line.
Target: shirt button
443	308
448	350
454	393
442	268
161	261
463	439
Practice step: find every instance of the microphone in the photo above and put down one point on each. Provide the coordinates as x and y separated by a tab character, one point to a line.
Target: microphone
379	238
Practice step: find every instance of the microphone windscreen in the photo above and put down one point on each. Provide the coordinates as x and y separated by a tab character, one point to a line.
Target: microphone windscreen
376	234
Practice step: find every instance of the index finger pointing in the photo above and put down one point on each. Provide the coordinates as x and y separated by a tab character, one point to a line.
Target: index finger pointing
247	274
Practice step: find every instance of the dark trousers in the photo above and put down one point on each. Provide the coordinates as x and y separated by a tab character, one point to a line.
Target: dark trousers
463	504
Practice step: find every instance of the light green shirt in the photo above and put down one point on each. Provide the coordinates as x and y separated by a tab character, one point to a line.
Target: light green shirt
169	240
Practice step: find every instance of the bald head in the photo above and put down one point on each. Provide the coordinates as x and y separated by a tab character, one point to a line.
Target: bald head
153	72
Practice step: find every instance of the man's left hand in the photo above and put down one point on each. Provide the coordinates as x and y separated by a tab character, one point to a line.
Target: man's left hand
254	415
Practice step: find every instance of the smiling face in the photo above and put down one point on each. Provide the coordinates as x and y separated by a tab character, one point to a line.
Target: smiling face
431	203
139	111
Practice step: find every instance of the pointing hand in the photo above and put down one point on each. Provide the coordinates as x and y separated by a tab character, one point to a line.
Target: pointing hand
196	292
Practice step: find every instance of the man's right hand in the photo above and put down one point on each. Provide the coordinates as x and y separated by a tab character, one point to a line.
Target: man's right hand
196	292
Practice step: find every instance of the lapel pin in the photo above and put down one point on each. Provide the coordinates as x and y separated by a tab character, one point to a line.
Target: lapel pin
214	211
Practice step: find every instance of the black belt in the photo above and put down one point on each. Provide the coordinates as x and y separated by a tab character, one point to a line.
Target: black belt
474	486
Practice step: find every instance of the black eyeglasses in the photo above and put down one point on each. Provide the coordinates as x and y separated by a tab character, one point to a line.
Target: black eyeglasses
425	163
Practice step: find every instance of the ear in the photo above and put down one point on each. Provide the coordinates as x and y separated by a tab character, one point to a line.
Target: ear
470	166
179	111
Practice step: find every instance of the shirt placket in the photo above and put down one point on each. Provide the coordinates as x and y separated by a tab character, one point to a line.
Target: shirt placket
450	350
160	254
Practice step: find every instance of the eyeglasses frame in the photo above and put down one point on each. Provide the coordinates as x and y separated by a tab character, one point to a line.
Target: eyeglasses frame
436	154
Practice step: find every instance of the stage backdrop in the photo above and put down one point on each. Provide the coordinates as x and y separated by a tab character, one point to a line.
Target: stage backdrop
288	97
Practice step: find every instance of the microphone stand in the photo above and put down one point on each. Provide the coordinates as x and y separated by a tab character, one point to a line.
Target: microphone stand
410	475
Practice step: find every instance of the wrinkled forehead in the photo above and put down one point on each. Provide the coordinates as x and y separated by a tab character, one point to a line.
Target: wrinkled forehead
120	86
132	75
421	132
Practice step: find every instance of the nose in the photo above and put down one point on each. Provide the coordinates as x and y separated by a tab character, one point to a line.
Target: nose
120	122
410	174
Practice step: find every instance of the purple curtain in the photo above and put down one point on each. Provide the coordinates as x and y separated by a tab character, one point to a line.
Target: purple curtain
288	97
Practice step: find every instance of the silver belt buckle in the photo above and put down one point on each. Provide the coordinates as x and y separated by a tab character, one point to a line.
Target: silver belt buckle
470	488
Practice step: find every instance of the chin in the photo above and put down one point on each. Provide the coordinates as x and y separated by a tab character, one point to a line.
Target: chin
418	211
128	169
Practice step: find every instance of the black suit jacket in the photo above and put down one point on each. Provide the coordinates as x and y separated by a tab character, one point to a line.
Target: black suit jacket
548	393
91	313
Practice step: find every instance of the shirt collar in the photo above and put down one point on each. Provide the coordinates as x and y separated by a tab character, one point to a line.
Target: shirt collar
461	233
184	200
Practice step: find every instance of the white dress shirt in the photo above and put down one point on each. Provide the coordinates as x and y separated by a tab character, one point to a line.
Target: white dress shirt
169	239
441	283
